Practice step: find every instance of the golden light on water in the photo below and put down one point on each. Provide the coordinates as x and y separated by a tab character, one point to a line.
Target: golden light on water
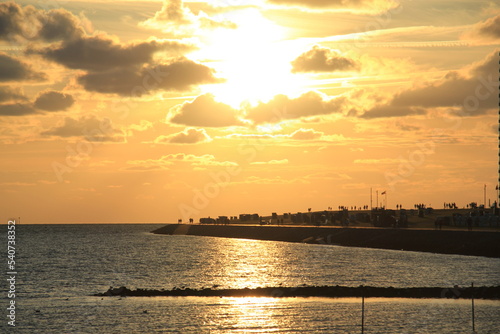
254	314
259	268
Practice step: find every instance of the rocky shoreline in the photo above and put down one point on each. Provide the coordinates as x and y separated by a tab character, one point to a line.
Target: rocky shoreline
316	291
475	243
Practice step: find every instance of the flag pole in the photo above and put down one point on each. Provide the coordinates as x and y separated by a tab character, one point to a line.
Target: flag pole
371	198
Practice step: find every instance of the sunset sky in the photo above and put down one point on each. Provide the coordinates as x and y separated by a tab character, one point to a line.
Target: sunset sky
143	111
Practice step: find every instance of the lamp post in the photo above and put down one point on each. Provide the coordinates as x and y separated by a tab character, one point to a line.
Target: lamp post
484	193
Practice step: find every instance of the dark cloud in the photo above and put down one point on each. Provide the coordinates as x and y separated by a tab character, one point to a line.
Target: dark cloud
487	66
188	136
53	101
12	69
90	128
11	94
456	89
59	24
16	109
179	75
392	111
281	107
101	53
320	59
205	111
27	22
489	29
475	93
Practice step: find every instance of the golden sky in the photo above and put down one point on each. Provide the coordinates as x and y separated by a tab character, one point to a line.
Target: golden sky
141	111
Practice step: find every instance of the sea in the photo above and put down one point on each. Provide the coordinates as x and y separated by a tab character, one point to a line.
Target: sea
59	269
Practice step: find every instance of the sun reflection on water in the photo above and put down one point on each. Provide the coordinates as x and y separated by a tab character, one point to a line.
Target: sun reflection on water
252	314
250	264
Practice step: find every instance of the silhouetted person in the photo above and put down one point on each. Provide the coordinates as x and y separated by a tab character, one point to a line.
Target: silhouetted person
469	223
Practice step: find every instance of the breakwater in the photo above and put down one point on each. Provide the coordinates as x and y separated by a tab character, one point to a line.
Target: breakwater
315	291
476	243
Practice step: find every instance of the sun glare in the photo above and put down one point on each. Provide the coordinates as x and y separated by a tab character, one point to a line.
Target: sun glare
252	59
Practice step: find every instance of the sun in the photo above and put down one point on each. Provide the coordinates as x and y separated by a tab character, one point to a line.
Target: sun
254	59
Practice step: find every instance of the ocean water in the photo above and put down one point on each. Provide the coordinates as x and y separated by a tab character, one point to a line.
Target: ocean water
60	267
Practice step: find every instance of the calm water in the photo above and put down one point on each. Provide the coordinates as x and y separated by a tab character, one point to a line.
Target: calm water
60	266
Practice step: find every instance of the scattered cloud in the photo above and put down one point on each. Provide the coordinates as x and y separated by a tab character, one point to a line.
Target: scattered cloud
271	180
12	69
188	136
329	176
179	20
90	128
204	111
102	53
393	111
29	23
486	30
369	6
473	90
306	134
162	163
168	160
180	74
388	161
271	162
11	94
53	101
16	109
320	59
281	107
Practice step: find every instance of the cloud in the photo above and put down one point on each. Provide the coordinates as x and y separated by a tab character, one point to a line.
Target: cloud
281	107
306	134
488	29
188	136
392	111
204	111
168	160
16	109
90	128
271	162
199	160
371	6
320	59
101	53
29	23
474	90
180	74
179	20
11	94
53	101
12	69
162	163
384	161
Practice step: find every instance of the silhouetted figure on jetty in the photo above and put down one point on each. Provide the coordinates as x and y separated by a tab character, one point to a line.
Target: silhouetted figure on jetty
469	223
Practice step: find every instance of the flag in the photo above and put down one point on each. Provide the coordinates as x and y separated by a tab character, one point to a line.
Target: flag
383	193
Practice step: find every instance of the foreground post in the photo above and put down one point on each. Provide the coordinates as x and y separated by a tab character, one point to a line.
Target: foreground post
362	310
472	298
